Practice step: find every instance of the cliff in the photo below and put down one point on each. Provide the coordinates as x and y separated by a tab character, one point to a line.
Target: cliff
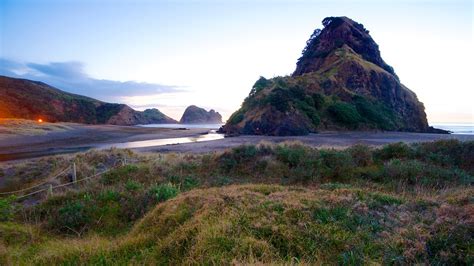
27	99
341	82
197	115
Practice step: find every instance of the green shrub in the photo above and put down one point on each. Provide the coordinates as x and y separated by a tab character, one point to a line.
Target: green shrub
7	208
380	200
345	113
279	98
118	174
292	155
222	181
361	155
132	185
415	172
310	111
397	150
336	164
109	195
236	117
452	246
447	153
376	113
244	153
73	216
259	85
189	183
164	192
318	100
184	183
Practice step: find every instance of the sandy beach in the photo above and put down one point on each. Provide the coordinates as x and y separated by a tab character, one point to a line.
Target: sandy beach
336	140
60	138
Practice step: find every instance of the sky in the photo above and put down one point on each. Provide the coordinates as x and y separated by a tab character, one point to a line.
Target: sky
171	54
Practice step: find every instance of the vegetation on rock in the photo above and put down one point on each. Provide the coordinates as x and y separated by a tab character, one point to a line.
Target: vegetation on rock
27	99
340	83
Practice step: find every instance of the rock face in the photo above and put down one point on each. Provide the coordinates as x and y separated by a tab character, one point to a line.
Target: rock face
27	99
197	115
340	83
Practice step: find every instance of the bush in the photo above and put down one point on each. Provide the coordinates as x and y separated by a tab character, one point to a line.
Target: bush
236	117
184	183
279	98
345	113
447	153
118	174
376	113
72	217
452	246
132	185
109	195
6	208
361	155
318	100
419	173
336	164
244	153
164	192
259	85
398	150
292	155
310	111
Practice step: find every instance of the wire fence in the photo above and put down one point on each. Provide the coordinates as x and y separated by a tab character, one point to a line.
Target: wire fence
49	187
37	185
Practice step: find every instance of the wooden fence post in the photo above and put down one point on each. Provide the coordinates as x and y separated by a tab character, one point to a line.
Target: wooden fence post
74	176
50	190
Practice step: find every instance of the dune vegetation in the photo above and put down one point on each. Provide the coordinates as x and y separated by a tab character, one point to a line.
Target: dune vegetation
266	203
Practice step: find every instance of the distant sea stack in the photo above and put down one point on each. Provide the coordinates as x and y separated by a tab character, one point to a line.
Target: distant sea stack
27	99
197	115
340	83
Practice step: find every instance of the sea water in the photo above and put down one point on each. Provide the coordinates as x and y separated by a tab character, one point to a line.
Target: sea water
211	135
456	128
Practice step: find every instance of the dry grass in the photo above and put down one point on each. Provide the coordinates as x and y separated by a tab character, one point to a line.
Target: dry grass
264	204
271	225
11	126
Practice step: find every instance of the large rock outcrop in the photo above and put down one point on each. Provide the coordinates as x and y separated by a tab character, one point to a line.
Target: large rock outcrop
197	115
340	83
27	99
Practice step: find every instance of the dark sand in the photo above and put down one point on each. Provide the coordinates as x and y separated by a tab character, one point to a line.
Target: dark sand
84	137
322	140
81	138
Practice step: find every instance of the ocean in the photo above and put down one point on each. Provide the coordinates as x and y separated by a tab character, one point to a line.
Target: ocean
456	128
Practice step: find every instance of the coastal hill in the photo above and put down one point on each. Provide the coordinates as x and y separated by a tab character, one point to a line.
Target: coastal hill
27	99
341	82
197	115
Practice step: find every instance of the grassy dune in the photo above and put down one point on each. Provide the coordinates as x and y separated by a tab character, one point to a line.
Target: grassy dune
285	204
12	126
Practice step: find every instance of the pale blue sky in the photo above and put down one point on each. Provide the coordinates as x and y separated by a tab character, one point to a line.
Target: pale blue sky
170	54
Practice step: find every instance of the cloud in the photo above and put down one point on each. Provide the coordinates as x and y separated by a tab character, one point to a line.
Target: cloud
71	77
64	70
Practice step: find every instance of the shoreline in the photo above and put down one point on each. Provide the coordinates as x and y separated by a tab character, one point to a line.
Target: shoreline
80	138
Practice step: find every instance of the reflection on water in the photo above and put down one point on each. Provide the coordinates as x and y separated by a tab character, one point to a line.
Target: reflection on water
161	142
208	126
